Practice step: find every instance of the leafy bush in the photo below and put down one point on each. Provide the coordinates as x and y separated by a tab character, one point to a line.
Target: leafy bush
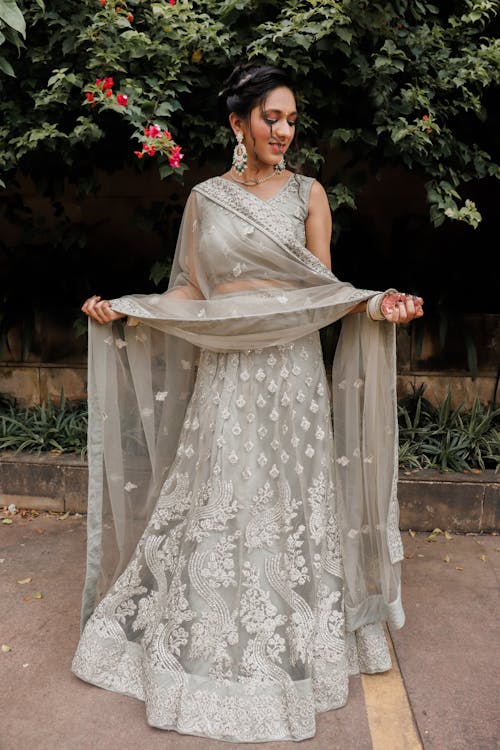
405	82
430	436
410	84
59	428
439	437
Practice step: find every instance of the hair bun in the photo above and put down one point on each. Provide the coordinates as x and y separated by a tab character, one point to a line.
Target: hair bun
248	84
239	77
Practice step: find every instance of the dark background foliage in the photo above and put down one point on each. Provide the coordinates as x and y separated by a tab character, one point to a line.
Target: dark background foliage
399	121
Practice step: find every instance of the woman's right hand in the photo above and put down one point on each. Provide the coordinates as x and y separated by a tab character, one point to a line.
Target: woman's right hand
100	310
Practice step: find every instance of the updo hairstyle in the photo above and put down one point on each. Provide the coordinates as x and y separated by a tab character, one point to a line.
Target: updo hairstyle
248	86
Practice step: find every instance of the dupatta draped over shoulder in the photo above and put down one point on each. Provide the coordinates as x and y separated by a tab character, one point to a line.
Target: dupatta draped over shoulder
240	281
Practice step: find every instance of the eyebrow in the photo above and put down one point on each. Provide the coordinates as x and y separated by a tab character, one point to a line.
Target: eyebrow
280	111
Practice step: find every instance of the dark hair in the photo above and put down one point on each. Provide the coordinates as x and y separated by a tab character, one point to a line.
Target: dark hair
249	84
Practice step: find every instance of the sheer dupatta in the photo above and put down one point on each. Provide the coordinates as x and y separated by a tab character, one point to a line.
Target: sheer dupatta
240	281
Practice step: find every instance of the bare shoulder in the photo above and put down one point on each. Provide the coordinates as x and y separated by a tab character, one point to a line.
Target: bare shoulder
318	199
318	192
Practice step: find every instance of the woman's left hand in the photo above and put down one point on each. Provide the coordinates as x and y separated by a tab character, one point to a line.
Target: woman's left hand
401	308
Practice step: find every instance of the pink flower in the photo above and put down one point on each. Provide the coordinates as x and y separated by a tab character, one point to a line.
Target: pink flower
150	150
139	154
108	93
122	99
167	134
108	83
175	157
172	2
89	96
154	131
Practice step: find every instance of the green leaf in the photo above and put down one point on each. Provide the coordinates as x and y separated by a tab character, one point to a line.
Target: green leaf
345	34
6	67
12	16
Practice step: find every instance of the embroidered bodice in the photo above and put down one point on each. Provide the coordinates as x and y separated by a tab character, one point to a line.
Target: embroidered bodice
232	261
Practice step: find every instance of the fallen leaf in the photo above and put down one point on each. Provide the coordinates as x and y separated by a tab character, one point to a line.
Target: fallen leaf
458	567
482	557
475	471
7	520
446	559
37	595
64	516
419	555
26	598
40	531
25	665
25	580
447	535
432	536
411	532
5	648
408	555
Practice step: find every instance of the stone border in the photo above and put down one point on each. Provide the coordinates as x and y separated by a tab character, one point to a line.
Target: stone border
43	481
463	502
428	499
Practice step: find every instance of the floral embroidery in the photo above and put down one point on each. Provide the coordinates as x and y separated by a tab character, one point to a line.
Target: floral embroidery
230	612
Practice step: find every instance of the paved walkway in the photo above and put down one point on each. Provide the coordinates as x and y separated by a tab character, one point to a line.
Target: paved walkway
442	694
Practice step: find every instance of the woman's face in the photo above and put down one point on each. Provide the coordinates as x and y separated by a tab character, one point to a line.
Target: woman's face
270	129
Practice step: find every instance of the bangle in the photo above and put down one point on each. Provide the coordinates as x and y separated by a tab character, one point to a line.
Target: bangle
374	305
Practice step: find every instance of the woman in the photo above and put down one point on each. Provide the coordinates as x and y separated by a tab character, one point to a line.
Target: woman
241	561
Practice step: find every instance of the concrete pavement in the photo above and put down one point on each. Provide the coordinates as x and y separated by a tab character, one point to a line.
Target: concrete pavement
442	694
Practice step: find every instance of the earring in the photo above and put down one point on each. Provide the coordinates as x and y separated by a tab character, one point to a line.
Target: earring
240	154
280	166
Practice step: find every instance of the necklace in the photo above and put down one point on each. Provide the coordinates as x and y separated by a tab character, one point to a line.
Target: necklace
253	182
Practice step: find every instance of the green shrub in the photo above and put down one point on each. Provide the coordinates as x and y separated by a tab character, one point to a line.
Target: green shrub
430	436
403	83
60	428
439	437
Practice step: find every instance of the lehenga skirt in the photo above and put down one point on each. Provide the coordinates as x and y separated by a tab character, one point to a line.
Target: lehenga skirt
228	621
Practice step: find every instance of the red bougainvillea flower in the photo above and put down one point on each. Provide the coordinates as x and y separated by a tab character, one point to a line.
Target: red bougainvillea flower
175	157
425	117
108	83
89	96
172	2
122	99
130	18
102	3
118	8
158	141
108	93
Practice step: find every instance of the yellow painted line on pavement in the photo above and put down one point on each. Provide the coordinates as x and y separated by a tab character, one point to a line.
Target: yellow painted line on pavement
389	713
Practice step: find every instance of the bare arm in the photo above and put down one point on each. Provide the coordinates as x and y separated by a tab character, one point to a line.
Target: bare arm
319	225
